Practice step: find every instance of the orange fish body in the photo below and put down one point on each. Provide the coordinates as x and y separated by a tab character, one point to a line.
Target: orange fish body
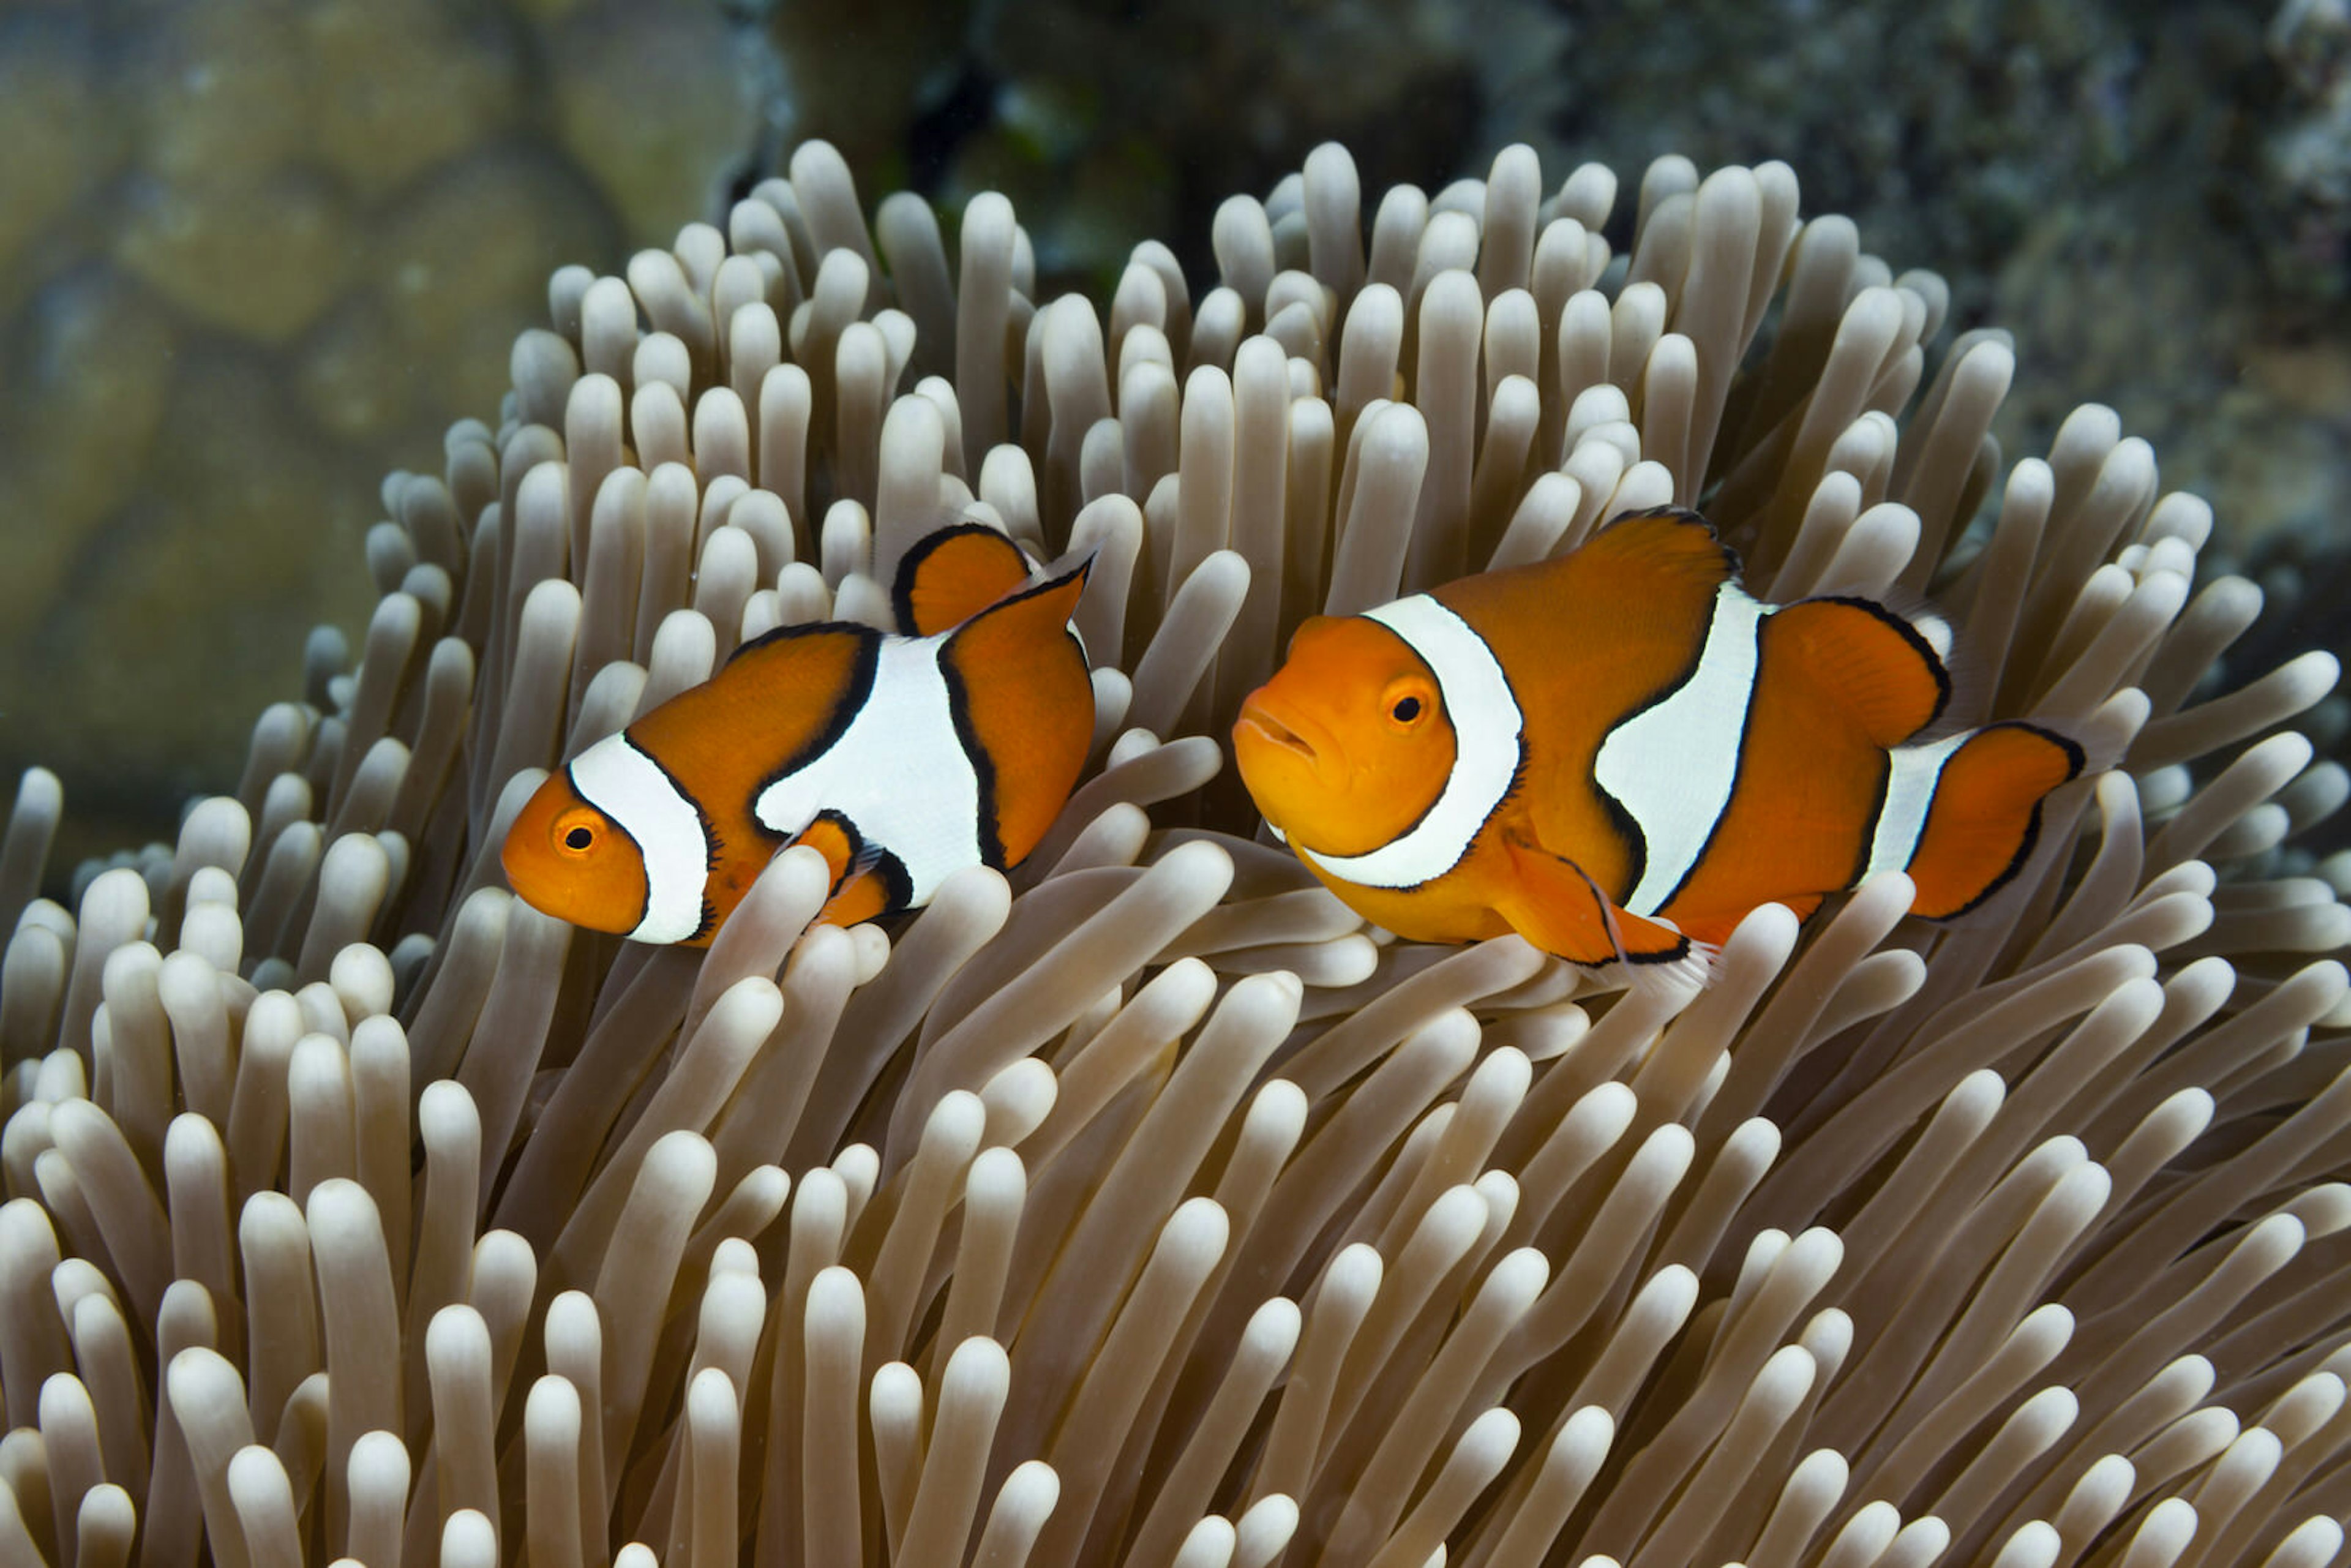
901	757
1588	748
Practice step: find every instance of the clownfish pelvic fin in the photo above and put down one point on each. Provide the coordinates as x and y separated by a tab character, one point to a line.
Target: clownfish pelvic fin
1564	912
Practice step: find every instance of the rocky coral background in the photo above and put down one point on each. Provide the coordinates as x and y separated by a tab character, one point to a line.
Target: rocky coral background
256	253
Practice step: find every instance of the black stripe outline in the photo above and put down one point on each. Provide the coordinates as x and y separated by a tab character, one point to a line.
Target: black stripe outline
1738	764
1517	769
644	905
897	887
713	845
1632	838
800	629
846	706
1628	833
1080	573
1871	820
1635	838
1518	781
988	836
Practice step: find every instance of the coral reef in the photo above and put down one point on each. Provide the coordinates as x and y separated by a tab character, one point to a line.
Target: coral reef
1145	1207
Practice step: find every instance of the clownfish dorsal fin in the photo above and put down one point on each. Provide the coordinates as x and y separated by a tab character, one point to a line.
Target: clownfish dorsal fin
953	574
1030	611
1672	546
1864	659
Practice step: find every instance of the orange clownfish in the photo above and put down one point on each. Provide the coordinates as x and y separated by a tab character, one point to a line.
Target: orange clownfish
1586	748
901	758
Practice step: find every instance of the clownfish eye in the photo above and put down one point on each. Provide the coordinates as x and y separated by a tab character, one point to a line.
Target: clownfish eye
1407	701
575	833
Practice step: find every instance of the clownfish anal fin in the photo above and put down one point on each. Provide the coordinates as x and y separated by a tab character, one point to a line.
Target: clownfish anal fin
868	880
1863	658
1671	543
862	898
1562	909
952	575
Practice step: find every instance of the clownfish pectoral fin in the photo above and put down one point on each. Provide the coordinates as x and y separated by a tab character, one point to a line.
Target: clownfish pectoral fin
1562	909
952	575
1985	815
1866	660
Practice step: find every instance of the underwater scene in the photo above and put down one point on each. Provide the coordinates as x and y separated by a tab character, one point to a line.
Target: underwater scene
1064	784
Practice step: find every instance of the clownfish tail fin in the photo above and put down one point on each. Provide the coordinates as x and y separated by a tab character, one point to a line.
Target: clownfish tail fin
1961	815
953	574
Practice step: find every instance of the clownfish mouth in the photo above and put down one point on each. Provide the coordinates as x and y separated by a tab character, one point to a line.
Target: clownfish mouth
1272	729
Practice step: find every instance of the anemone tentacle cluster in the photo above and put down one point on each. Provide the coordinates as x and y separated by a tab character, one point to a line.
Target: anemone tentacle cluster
1146	1209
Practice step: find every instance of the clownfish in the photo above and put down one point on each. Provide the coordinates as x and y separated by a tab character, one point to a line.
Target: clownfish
901	758
1588	748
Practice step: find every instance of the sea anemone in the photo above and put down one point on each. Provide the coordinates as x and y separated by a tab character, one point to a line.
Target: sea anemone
1143	1206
